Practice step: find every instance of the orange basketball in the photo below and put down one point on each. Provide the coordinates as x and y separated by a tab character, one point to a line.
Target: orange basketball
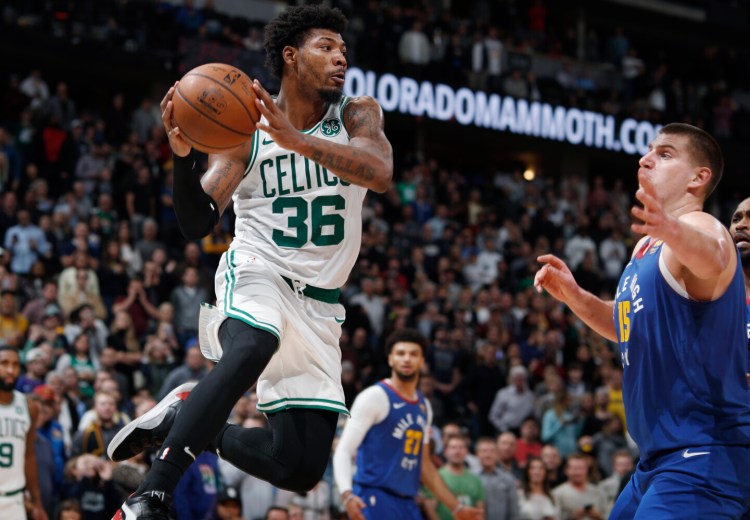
214	106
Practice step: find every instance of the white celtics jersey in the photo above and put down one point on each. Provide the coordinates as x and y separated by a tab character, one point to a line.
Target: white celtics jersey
15	422
296	214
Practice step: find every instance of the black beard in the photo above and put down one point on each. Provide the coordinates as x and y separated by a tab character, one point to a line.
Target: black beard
330	96
406	378
5	387
745	259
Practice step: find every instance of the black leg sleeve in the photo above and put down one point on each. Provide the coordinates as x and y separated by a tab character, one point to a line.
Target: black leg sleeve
247	351
292	455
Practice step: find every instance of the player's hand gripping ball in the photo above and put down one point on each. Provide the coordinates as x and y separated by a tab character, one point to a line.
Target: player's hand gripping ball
214	107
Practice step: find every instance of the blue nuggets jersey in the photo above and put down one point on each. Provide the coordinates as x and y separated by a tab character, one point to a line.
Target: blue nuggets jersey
747	301
683	361
390	456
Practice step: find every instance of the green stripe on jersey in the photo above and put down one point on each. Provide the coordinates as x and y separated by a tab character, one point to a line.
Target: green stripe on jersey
236	313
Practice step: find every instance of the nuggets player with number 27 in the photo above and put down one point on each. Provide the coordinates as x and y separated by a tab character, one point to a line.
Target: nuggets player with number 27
679	319
297	188
18	469
389	433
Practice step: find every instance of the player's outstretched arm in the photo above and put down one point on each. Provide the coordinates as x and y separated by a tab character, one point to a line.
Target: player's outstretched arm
200	201
555	277
700	252
434	482
366	161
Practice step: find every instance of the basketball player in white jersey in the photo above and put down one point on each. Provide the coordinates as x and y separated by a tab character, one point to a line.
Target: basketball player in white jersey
297	188
18	469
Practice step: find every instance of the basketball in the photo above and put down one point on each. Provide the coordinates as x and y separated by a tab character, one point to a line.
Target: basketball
214	107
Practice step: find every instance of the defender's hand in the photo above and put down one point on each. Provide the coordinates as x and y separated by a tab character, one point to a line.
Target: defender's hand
654	220
555	277
179	146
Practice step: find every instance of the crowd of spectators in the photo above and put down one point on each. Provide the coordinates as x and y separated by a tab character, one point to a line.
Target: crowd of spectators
100	293
532	49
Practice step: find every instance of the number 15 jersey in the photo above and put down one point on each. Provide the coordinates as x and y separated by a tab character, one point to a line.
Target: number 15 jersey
295	213
683	360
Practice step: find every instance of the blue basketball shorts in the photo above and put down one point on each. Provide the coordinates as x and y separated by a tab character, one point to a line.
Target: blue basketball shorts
699	482
384	505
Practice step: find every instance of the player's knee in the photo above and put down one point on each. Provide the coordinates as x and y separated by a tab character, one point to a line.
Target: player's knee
245	345
303	480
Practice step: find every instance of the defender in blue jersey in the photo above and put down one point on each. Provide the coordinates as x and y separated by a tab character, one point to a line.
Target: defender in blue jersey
739	227
389	434
679	317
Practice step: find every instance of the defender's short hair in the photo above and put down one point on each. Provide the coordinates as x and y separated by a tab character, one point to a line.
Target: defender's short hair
703	148
408	336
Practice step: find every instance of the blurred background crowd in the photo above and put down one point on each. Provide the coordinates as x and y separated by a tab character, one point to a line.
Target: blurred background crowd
100	292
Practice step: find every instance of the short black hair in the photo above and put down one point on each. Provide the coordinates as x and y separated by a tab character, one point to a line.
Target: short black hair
703	148
276	508
291	27
408	336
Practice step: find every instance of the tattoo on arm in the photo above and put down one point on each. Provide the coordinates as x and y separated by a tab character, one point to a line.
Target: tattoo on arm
218	185
351	169
360	118
362	121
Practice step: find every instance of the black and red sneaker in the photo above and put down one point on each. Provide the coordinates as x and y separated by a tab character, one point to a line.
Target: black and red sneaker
150	429
149	505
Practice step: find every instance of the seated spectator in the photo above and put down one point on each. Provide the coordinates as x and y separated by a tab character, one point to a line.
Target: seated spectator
193	369
277	513
137	304
149	241
499	485
89	482
607	442
50	332
35	309
622	466
561	424
13	325
186	300
81	294
68	509
577	498
528	444
459	480
229	505
95	438
513	403
506	454
73	404
128	253
82	360
554	464
156	365
27	243
536	500
37	365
